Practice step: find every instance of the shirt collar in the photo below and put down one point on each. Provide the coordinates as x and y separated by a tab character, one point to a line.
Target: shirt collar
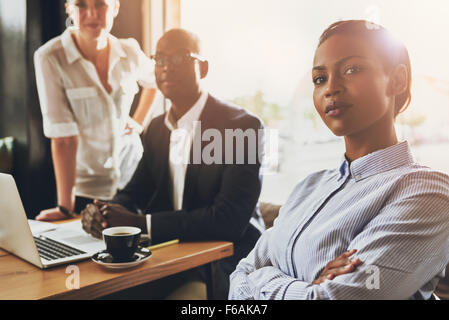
379	161
71	51
73	54
117	51
187	120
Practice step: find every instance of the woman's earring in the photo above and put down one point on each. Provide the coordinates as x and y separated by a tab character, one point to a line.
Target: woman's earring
69	22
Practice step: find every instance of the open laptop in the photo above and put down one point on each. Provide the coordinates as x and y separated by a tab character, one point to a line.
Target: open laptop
60	246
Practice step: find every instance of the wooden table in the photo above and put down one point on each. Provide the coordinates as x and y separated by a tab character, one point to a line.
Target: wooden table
21	280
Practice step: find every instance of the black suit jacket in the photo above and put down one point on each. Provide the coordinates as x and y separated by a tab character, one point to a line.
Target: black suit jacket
219	199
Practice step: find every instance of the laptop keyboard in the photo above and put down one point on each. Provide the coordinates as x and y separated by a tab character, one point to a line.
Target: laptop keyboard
52	250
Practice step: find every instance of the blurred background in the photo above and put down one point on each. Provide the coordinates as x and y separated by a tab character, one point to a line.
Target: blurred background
260	54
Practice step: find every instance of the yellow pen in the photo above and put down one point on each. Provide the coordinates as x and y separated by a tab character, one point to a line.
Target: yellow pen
163	244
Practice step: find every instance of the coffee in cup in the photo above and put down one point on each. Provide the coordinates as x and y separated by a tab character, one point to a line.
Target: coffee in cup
121	242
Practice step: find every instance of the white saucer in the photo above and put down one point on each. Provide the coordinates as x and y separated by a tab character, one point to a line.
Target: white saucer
105	259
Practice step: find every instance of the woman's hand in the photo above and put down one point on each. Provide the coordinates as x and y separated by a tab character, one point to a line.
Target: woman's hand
53	214
132	126
341	265
128	129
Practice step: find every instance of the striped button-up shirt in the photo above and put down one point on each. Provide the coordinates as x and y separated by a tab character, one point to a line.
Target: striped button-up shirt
392	210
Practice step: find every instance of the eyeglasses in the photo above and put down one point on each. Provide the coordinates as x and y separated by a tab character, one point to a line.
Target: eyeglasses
175	59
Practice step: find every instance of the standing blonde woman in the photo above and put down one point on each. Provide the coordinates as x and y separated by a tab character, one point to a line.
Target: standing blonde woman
87	80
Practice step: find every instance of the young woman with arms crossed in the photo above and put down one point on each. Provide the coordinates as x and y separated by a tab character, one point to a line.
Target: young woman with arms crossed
391	213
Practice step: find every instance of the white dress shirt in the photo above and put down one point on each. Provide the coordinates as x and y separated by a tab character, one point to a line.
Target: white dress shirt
392	210
75	103
181	138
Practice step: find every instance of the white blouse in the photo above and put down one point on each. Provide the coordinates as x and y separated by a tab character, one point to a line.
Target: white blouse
75	103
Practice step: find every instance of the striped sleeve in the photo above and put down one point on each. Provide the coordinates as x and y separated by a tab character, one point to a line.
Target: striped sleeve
242	287
404	246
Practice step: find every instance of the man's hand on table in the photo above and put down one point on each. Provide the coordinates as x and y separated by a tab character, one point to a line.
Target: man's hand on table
101	215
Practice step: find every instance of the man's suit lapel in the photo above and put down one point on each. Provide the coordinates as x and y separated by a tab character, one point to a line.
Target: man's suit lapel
192	172
164	179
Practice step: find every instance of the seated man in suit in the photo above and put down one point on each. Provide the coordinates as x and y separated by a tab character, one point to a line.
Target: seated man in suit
187	186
